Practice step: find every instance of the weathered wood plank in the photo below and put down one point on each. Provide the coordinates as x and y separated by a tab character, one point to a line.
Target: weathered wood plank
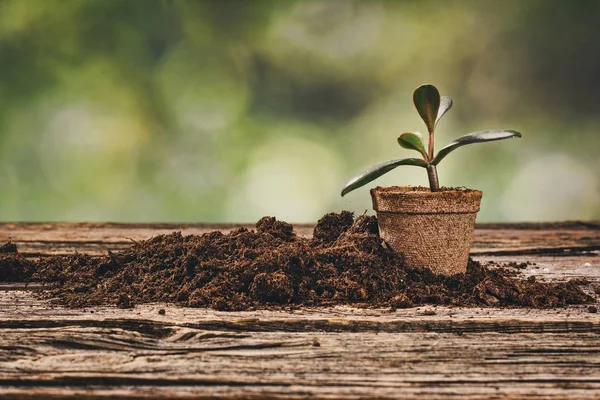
188	360
23	310
38	239
342	352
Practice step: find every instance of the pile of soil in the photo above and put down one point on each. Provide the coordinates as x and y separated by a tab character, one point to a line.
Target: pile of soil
345	262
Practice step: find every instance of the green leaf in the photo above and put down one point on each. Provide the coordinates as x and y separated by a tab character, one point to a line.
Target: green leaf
377	170
475	137
427	102
445	105
412	141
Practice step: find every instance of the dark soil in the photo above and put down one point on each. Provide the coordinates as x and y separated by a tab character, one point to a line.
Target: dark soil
13	266
344	263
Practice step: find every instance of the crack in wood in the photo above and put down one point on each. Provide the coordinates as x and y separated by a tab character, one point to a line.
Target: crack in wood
162	330
541	251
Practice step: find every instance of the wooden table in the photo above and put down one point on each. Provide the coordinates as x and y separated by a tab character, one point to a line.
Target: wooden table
343	352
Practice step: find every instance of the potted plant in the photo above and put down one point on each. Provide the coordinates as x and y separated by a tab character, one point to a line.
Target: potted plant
429	227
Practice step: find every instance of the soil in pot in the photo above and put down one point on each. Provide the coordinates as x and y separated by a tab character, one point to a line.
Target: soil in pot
345	262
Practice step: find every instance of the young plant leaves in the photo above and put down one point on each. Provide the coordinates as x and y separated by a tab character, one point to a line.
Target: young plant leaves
445	105
412	141
427	102
377	170
475	137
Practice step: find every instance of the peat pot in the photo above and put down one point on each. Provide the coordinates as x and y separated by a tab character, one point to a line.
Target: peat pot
430	229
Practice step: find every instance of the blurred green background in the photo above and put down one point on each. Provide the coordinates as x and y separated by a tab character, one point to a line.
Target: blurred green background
158	110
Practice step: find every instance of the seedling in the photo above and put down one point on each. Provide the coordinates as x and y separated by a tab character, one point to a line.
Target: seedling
431	107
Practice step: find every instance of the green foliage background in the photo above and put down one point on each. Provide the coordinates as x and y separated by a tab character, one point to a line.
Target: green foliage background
182	110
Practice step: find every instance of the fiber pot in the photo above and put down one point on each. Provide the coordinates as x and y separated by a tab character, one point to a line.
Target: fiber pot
430	229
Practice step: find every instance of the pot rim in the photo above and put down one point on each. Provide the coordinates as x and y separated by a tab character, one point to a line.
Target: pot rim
421	200
424	191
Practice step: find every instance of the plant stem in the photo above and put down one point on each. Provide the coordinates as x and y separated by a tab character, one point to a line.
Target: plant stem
430	146
434	184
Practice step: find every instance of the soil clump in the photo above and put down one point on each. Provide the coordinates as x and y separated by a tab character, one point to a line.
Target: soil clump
345	262
13	266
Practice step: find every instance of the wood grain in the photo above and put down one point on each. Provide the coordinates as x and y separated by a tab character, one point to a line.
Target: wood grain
342	352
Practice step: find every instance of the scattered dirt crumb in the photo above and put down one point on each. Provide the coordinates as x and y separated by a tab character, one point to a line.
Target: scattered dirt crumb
593	309
124	301
400	301
513	264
